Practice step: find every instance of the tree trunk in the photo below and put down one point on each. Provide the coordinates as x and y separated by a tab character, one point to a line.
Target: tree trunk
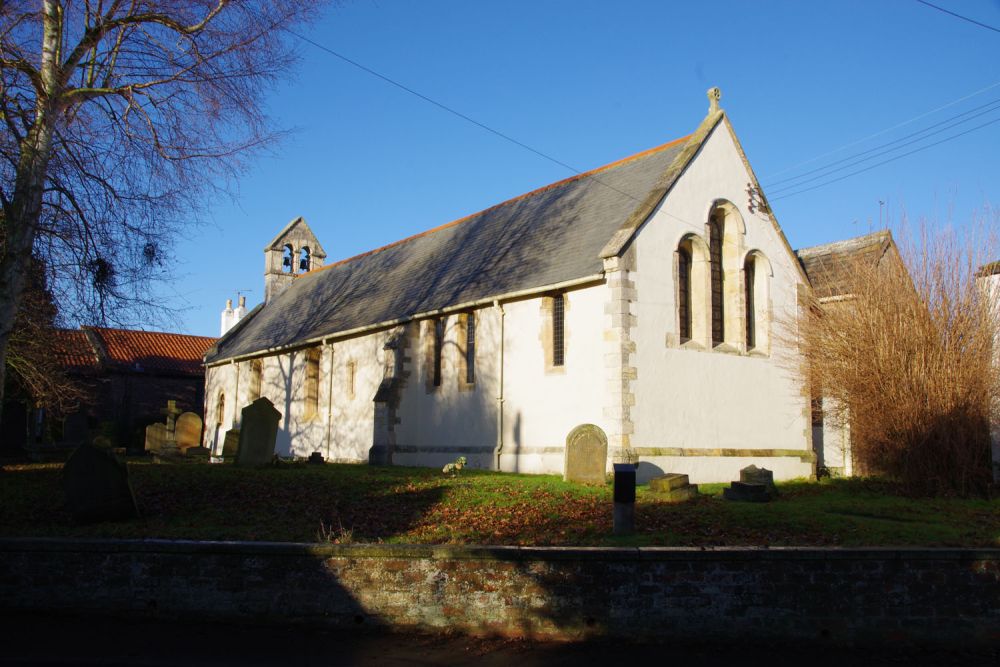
25	207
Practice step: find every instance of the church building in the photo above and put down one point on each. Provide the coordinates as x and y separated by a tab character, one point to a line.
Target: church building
643	297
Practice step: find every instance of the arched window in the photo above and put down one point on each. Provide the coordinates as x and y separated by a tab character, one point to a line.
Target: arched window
287	255
304	260
715	231
756	274
256	379
692	291
220	409
312	383
750	313
684	291
725	230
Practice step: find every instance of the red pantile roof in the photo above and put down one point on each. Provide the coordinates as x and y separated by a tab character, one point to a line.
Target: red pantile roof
152	351
73	350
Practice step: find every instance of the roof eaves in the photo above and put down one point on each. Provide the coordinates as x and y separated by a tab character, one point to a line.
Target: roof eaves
214	349
645	208
989	269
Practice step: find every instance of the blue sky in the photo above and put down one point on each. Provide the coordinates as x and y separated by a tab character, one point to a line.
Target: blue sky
588	83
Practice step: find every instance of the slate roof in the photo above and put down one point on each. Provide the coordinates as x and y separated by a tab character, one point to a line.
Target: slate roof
548	236
151	351
829	266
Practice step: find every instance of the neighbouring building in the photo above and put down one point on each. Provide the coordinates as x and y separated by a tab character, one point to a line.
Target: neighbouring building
829	268
642	297
127	376
988	279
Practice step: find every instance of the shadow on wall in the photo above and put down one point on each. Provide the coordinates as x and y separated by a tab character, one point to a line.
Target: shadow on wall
646	471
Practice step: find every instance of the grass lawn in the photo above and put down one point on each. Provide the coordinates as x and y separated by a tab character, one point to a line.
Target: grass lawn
358	503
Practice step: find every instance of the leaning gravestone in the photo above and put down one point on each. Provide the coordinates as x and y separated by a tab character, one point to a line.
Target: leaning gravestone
258	430
231	443
156	435
188	430
586	455
96	486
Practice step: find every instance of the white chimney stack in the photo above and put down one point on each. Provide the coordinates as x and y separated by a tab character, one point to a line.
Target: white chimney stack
227	318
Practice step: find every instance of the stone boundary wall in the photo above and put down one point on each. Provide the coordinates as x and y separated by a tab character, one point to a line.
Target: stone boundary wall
944	597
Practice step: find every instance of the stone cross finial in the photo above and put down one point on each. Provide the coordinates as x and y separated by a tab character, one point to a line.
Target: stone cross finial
714	95
171	411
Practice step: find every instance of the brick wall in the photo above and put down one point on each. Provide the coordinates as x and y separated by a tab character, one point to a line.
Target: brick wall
863	596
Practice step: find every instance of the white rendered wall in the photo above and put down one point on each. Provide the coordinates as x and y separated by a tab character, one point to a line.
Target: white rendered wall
456	415
990	285
704	398
543	404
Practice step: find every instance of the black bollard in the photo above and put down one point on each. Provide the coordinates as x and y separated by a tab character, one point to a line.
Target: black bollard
624	517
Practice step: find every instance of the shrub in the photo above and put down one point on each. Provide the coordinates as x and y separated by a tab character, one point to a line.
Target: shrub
905	360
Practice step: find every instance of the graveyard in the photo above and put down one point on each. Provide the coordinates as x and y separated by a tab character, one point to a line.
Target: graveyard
344	504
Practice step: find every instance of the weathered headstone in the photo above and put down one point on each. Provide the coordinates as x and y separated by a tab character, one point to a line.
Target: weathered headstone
754	475
231	444
188	430
586	455
673	487
96	486
156	435
747	493
258	431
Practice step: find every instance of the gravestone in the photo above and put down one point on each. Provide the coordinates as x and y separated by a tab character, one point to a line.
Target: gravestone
747	493
586	455
156	435
96	486
231	443
258	431
754	475
188	430
673	487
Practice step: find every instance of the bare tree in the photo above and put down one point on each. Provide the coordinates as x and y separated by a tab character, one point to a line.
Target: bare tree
117	116
35	370
905	361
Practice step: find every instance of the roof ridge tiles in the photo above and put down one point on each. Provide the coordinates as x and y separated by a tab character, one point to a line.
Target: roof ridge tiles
530	193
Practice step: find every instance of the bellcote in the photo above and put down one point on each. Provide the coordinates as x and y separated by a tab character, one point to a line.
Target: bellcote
295	250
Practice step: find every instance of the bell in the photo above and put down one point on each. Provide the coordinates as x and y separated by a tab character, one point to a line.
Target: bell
304	264
286	263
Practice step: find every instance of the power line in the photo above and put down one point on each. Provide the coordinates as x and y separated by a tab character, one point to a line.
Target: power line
893	159
475	122
879	147
878	152
886	130
959	16
573	169
440	105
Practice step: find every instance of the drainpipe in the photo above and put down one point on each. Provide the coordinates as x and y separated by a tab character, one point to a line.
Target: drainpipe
500	312
329	403
236	397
